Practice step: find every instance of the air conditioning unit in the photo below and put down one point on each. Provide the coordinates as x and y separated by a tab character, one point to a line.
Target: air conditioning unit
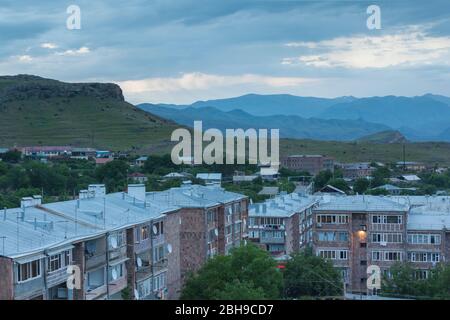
383	243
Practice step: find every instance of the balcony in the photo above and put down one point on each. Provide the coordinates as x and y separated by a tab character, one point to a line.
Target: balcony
274	240
56	277
95	260
386	227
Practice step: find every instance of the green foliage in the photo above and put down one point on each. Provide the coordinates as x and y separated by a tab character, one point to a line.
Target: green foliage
361	185
309	275
403	281
380	176
247	273
340	184
12	156
113	174
321	179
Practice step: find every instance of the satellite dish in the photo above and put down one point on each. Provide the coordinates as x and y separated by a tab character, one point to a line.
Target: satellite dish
155	230
180	220
114	274
136	294
169	248
216	232
139	262
113	242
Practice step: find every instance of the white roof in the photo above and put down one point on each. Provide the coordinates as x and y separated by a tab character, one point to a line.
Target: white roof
209	176
410	177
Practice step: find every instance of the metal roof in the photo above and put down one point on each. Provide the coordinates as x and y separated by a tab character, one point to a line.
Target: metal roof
194	196
282	206
359	203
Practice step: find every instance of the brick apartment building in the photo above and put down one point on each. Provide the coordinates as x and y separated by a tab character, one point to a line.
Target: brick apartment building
310	163
357	170
275	224
355	232
117	241
211	221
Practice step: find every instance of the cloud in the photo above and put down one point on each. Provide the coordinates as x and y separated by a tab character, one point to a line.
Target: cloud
81	51
411	46
190	85
49	45
25	58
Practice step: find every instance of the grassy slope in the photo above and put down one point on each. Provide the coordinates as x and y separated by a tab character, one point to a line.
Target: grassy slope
430	152
82	121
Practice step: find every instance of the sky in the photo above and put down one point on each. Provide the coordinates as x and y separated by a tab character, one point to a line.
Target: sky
181	51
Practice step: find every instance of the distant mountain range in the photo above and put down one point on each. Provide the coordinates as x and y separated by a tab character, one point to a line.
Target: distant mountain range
421	118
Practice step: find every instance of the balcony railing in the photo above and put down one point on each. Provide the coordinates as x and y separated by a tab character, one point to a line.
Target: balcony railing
386	227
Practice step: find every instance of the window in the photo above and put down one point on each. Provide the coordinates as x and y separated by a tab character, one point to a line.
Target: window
96	278
29	271
145	288
116	271
332	218
423	256
387	219
387	237
159	282
158	253
211	216
145	233
334	254
386	256
363	262
343	236
55	262
419	238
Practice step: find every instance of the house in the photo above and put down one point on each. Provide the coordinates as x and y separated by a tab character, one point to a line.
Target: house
176	175
411	165
140	161
103	154
269	191
83	153
394	190
210	178
309	162
47	151
138	177
409	178
268	173
330	189
357	170
243	178
3	150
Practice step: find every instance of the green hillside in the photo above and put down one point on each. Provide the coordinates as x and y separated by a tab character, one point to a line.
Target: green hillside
429	152
37	111
388	136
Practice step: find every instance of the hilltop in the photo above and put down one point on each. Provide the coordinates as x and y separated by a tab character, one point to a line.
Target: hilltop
39	111
388	136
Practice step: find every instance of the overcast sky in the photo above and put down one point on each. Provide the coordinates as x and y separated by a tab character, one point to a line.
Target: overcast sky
180	51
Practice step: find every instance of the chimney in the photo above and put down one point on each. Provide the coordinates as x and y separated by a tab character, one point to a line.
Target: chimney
137	191
98	190
37	200
84	194
26	202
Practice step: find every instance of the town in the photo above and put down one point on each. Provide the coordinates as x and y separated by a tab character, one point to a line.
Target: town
139	229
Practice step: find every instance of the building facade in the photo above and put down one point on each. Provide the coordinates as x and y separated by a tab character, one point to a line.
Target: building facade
310	163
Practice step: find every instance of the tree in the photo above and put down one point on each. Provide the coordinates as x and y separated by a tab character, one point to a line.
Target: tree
309	275
401	281
340	184
11	156
248	267
322	178
361	185
379	176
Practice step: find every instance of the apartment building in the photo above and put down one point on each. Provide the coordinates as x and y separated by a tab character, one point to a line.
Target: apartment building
357	231
114	240
357	170
276	224
310	163
210	221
